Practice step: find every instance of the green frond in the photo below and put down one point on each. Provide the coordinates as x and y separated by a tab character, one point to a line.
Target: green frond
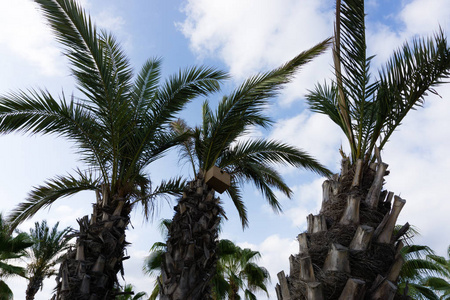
181	88
438	284
165	189
244	107
53	189
155	292
187	148
369	110
146	84
270	152
413	71
421	292
324	99
152	264
5	291
236	196
37	112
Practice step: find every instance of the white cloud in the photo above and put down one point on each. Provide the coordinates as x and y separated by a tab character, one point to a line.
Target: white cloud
425	16
307	200
251	35
24	34
315	133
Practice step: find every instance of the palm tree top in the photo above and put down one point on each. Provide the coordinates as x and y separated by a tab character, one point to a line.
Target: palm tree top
119	124
220	139
367	108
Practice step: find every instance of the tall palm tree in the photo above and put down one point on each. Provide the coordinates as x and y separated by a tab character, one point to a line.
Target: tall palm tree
349	250
119	126
191	257
48	244
11	248
238	271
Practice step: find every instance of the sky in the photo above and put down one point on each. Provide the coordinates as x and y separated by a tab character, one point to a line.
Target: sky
243	38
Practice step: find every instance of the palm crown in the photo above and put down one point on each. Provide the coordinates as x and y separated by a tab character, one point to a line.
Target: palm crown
368	109
119	124
220	140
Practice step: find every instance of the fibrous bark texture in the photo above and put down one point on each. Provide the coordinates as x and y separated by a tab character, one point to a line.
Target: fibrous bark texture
349	250
34	284
191	257
89	271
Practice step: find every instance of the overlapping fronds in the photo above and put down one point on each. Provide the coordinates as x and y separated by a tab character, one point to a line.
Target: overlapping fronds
368	109
120	125
218	140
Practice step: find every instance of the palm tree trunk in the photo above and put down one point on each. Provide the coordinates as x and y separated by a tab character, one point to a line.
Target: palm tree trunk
349	250
191	257
34	284
90	270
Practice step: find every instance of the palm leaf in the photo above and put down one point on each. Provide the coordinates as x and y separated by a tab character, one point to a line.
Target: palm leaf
412	72
244	106
53	189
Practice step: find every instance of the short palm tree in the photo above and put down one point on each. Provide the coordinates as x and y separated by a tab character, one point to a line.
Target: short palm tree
45	253
119	124
349	248
238	271
441	284
128	294
11	248
191	257
417	272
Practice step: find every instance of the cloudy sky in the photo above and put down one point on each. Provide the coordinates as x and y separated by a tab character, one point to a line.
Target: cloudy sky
242	37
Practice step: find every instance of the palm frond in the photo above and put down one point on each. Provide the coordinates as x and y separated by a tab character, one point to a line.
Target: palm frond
152	264
145	84
53	189
244	106
77	33
270	152
37	112
187	148
166	188
412	72
236	196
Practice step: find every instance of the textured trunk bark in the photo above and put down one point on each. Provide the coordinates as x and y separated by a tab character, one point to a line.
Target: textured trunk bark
191	257
353	254
89	271
34	284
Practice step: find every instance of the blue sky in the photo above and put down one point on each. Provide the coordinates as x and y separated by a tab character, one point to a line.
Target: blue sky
242	37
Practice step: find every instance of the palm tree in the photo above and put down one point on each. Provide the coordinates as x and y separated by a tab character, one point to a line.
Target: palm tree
128	294
191	257
417	272
119	126
348	250
236	269
440	282
10	248
47	246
